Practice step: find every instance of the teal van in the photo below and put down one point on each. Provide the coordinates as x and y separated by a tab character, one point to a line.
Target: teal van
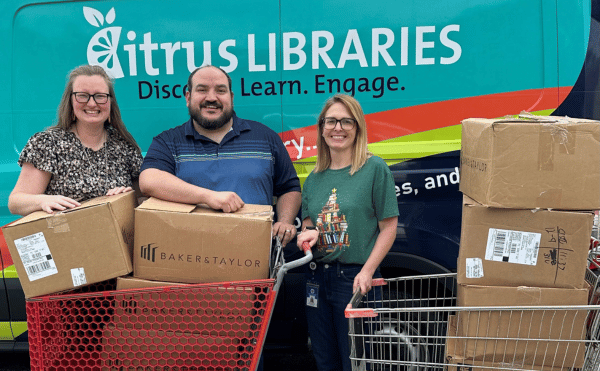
418	67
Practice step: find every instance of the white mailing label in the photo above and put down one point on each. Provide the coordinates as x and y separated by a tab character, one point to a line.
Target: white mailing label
513	246
36	257
78	276
474	268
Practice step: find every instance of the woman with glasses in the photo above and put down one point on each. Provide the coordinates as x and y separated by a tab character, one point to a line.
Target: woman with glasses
350	213
88	153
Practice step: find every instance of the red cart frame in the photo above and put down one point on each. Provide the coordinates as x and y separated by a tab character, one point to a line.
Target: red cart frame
219	326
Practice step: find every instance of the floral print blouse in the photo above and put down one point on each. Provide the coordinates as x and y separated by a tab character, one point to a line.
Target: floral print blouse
80	172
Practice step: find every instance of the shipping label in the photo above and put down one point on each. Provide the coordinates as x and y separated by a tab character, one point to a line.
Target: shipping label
474	268
513	246
78	276
35	256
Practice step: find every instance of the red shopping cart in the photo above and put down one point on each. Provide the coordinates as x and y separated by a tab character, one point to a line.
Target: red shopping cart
220	326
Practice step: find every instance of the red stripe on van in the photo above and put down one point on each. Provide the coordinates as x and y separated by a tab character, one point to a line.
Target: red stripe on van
415	119
5	259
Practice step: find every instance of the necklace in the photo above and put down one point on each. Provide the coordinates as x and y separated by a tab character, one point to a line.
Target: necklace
103	143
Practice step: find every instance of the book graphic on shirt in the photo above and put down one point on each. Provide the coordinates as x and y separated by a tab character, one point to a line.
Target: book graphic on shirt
333	227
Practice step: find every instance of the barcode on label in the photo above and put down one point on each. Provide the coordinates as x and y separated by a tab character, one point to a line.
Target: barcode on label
499	244
513	248
37	268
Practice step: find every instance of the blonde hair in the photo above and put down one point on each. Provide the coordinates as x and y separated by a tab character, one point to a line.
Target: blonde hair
66	115
360	152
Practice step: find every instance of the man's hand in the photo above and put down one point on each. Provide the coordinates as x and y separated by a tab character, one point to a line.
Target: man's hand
285	232
229	202
287	208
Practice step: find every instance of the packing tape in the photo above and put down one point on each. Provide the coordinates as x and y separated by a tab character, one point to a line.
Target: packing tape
258	213
58	223
549	197
535	293
551	136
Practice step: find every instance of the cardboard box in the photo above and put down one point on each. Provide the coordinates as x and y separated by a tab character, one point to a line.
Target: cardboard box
77	247
206	310
532	162
508	247
528	337
128	283
124	349
194	244
456	362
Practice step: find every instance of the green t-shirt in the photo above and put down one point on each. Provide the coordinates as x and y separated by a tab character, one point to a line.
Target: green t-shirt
346	209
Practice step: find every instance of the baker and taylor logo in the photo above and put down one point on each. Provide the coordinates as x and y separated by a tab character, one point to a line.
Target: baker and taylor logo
148	252
102	48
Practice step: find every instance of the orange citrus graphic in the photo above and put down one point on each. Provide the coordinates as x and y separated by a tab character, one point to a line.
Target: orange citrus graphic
102	51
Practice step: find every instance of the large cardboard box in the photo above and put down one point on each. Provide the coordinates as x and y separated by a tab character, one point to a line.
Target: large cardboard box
217	311
124	349
73	248
205	310
509	247
195	244
529	337
532	162
456	362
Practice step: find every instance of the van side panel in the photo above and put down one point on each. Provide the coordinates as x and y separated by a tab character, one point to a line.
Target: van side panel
418	67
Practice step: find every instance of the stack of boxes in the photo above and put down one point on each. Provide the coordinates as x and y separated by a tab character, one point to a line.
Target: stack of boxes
164	244
179	243
528	186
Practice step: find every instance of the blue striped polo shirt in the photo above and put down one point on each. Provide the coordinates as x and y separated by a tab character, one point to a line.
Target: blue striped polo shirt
251	160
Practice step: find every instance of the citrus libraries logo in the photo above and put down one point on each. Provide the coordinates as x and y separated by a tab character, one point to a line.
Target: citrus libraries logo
290	51
102	48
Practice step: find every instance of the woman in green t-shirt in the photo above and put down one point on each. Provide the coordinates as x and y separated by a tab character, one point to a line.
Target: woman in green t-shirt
350	213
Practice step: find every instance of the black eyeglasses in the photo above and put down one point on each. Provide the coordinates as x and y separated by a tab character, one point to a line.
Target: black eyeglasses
99	98
346	123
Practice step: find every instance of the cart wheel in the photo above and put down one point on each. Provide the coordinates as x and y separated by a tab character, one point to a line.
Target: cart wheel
400	342
421	335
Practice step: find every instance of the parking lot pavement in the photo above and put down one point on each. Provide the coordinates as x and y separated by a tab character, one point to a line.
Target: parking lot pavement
274	361
14	361
278	361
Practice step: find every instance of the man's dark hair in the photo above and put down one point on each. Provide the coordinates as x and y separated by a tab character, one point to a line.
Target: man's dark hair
189	83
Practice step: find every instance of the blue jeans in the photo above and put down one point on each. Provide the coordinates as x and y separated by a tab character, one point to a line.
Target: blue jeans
327	325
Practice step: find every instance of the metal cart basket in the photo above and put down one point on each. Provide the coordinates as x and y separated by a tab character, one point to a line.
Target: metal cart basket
220	326
414	324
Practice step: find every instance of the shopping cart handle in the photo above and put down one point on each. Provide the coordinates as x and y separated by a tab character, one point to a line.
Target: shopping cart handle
293	264
356	298
352	311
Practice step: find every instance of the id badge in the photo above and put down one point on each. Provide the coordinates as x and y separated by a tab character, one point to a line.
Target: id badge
312	294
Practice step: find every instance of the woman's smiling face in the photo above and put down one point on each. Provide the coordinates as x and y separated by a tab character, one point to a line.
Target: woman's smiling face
90	112
338	139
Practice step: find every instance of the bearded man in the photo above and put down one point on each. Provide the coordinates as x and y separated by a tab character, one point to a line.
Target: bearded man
221	160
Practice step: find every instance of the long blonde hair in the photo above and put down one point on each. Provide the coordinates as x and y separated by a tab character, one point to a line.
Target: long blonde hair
66	115
360	152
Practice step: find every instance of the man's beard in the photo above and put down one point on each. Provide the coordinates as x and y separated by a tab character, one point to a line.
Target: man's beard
219	122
